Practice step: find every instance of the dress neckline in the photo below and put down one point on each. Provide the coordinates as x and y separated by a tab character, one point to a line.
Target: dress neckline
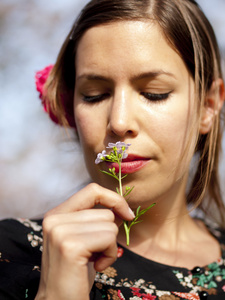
217	233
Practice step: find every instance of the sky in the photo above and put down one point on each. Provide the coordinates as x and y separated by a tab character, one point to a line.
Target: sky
40	164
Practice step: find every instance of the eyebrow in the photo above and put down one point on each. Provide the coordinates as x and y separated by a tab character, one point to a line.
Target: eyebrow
93	77
151	74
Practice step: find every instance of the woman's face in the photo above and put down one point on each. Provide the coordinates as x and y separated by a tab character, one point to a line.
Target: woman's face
131	86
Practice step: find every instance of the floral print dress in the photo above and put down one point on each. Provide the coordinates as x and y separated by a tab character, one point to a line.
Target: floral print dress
131	277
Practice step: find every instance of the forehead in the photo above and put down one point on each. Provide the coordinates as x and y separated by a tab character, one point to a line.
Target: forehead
127	46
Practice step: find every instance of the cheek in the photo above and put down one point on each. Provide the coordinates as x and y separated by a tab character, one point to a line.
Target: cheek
177	131
83	126
90	129
86	133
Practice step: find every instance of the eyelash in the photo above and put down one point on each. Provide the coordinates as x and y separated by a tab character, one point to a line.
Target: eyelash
148	96
156	97
96	98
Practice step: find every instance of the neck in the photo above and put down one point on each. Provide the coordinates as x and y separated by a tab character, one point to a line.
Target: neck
164	225
168	234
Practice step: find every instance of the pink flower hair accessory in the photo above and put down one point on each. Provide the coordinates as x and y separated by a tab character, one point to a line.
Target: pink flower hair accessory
40	80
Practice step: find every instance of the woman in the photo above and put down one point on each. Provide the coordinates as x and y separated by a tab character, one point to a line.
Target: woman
145	73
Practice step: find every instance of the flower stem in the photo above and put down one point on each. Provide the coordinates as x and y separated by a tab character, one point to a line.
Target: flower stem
127	231
125	224
120	180
116	156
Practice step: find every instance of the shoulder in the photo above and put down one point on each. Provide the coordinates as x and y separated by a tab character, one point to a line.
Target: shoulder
216	231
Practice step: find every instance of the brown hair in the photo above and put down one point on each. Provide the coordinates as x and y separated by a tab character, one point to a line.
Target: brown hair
190	34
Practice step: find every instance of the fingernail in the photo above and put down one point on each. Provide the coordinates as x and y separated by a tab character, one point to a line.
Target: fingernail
131	213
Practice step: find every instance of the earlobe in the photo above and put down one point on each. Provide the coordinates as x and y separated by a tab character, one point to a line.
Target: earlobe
213	104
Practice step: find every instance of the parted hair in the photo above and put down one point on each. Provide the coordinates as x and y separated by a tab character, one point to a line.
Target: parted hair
189	32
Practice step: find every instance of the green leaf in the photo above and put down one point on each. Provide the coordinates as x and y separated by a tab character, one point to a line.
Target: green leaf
136	222
223	273
145	210
209	277
112	175
213	266
137	211
201	282
212	284
128	192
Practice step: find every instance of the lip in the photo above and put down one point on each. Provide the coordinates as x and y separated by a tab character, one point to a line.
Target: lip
131	164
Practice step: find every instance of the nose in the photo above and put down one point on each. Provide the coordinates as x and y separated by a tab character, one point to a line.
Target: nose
123	116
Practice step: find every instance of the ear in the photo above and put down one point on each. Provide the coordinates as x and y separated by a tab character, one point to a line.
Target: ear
213	104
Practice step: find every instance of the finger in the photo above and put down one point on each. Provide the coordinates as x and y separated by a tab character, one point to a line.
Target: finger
93	195
83	216
102	250
74	246
64	233
106	259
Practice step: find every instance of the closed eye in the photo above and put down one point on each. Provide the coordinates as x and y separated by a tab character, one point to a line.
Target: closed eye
156	97
95	98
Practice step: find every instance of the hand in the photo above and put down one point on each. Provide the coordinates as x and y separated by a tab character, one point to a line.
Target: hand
80	240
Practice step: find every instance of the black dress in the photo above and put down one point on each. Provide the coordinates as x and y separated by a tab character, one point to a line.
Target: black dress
20	258
131	277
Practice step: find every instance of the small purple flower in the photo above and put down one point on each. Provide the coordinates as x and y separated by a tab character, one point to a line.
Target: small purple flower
100	157
121	147
118	145
124	155
116	155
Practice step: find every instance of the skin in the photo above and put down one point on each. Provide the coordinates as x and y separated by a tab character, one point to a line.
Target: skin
126	54
158	130
123	61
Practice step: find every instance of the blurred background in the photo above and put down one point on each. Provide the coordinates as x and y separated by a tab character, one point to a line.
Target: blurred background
40	165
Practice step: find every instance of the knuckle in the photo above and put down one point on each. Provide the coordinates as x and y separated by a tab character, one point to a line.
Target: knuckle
56	235
100	193
115	228
94	188
47	214
73	249
110	237
96	191
47	223
111	228
66	248
53	233
108	215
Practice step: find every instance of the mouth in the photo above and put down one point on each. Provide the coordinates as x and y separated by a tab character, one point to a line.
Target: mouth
131	164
